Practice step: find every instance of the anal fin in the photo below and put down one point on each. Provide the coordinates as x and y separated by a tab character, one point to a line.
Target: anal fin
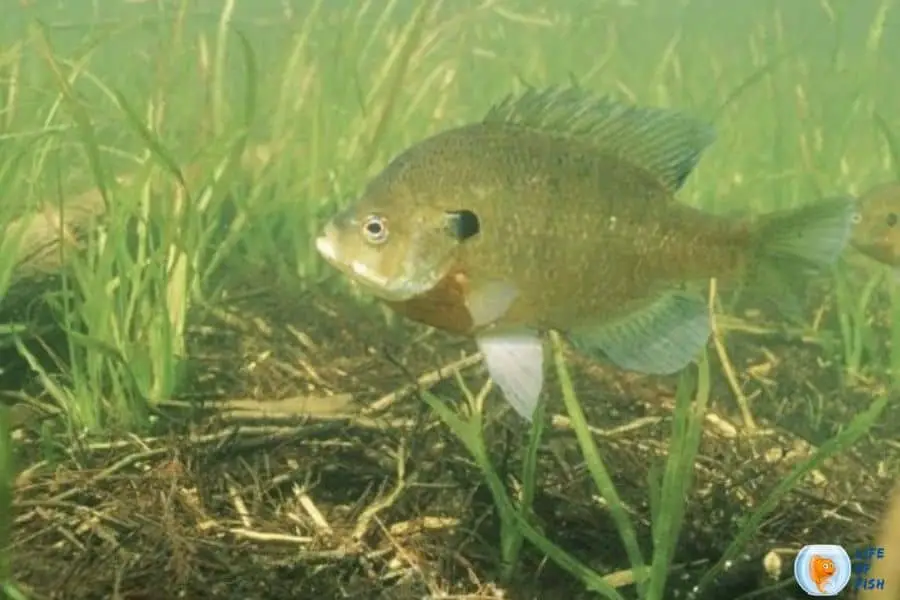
515	362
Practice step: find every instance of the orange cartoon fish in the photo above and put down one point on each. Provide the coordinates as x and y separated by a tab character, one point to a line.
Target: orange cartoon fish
821	569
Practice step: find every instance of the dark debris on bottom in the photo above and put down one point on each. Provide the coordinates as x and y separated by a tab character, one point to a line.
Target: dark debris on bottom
273	511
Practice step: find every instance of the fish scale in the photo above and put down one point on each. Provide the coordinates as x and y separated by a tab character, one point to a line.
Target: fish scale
655	241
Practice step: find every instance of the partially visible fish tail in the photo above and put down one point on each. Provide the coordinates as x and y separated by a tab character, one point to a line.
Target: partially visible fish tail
812	236
793	244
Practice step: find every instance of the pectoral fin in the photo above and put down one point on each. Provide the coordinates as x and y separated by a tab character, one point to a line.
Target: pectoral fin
661	338
488	301
515	362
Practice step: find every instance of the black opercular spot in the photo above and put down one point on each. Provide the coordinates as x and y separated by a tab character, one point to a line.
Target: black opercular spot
892	219
463	224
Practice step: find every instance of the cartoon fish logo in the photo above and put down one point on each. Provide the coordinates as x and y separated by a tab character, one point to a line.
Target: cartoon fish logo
821	570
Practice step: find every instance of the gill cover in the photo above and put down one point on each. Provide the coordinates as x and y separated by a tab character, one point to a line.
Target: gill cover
431	252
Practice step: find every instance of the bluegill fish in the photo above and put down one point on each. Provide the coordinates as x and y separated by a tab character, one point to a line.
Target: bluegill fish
557	212
876	229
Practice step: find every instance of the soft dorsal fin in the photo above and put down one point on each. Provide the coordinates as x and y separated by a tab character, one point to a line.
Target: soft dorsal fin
664	142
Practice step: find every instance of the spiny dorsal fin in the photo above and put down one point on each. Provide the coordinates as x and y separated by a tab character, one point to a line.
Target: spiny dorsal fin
666	143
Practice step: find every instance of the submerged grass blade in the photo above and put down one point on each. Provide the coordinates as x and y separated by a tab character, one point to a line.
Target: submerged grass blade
79	113
156	148
12	592
251	85
684	446
512	543
597	468
853	317
891	140
751	80
219	74
407	46
470	435
10	249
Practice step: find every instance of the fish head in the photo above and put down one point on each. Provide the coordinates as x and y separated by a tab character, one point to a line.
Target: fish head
828	567
395	243
876	226
822	566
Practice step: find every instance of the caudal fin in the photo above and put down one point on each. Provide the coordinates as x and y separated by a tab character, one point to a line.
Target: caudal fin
794	244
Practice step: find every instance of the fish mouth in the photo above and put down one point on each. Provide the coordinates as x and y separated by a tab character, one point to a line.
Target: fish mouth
882	252
325	247
356	270
386	288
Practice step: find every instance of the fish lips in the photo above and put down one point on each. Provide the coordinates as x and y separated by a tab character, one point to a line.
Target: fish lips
357	271
882	252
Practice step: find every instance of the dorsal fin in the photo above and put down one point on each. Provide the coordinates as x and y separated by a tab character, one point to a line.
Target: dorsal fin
664	142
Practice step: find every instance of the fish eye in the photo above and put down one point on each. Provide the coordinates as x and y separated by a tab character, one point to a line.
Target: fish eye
891	219
374	228
857	218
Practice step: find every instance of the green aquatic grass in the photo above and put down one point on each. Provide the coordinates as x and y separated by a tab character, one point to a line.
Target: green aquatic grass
668	498
334	92
10	243
138	280
9	249
597	469
857	336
